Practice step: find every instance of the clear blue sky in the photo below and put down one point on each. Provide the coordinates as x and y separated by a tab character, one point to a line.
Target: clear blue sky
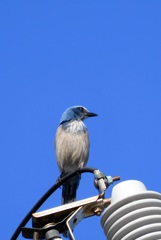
105	55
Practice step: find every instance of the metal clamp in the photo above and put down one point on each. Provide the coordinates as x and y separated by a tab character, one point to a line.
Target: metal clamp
102	181
50	223
64	218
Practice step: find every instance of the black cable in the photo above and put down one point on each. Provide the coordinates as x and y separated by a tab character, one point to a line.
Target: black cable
46	196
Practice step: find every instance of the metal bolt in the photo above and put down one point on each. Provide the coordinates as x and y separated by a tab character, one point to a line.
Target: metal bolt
97	211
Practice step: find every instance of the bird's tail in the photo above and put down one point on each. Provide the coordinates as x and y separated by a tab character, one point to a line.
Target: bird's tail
69	189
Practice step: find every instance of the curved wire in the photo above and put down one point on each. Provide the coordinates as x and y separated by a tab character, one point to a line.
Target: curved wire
46	196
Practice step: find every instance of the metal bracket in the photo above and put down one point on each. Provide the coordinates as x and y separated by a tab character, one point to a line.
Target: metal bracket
72	221
64	218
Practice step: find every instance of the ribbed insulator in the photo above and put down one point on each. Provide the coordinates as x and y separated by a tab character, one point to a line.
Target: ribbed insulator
134	213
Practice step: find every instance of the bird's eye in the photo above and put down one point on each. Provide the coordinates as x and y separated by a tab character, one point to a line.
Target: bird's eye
81	109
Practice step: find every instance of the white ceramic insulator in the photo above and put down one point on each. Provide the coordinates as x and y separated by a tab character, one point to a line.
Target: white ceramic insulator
134	213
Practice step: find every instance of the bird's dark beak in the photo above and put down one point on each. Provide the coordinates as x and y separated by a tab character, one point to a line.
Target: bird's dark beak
90	114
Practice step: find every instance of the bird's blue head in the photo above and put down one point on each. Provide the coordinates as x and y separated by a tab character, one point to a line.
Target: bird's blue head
78	113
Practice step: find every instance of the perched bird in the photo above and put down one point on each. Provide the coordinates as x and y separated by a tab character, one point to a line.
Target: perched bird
72	147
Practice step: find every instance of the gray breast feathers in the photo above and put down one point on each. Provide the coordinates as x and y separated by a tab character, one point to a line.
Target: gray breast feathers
72	147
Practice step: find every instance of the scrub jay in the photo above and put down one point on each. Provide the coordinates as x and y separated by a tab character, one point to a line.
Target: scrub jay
72	147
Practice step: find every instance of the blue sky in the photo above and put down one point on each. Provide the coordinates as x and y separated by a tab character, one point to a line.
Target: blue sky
105	55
